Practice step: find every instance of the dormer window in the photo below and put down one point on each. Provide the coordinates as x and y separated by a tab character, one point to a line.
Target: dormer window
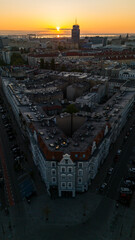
66	161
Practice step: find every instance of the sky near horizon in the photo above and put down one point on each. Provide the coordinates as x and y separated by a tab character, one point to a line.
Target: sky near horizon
93	16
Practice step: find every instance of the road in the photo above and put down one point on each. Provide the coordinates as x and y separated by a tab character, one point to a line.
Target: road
120	168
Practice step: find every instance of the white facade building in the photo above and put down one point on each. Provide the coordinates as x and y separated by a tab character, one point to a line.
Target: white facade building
127	74
70	166
88	100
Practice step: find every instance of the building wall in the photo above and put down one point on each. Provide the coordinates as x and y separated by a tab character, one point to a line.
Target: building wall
69	173
127	74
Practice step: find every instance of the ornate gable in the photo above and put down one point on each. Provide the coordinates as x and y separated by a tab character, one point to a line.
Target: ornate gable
66	160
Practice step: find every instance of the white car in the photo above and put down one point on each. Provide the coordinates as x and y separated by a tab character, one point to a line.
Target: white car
110	171
119	152
125	190
131	170
129	183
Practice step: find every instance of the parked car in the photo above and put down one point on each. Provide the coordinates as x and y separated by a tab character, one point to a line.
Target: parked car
125	138
9	130
119	152
7	125
126	191
10	133
131	170
3	116
129	183
19	158
110	171
102	187
131	177
5	121
14	146
11	137
6	211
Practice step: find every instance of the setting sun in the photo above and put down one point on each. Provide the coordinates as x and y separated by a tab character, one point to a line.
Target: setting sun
58	28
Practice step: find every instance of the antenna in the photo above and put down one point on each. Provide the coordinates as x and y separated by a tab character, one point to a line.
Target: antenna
75	21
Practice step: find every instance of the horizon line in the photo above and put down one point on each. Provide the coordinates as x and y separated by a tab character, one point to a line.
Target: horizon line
83	33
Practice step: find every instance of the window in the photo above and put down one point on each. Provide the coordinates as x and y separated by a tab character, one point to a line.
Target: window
69	169
76	155
69	185
80	172
63	177
54	180
79	180
80	164
66	161
63	169
83	155
53	164
69	177
63	184
53	172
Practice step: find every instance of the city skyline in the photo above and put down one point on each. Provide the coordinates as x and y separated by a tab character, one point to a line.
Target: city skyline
93	17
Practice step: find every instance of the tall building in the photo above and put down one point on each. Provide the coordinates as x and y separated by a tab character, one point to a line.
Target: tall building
76	33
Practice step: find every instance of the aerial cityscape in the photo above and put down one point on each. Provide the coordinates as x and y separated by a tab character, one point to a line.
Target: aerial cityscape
67	120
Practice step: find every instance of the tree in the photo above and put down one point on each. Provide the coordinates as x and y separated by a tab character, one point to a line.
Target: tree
46	66
41	63
14	49
53	64
71	108
16	59
2	63
63	68
60	48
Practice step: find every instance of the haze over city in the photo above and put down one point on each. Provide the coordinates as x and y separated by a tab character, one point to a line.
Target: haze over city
114	16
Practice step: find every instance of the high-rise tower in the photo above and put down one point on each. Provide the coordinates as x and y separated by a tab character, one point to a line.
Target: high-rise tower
76	33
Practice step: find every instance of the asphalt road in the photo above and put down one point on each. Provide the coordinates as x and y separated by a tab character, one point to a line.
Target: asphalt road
8	157
120	168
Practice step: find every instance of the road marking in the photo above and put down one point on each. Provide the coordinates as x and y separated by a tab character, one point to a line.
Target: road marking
6	179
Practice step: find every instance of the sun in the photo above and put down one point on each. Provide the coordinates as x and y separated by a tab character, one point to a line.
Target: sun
58	29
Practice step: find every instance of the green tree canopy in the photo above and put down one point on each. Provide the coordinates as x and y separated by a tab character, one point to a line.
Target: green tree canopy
16	59
46	66
41	63
2	63
53	64
71	108
14	49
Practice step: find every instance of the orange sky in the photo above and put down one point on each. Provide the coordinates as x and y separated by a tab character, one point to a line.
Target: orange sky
94	16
